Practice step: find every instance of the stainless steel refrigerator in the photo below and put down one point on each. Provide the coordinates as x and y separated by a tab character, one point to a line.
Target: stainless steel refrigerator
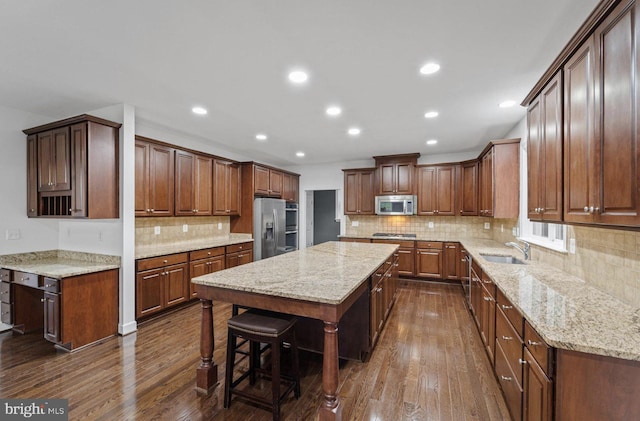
269	221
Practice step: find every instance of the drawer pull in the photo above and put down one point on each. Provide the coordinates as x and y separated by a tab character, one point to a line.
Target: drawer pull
506	307
506	379
521	361
507	338
487	298
49	285
379	274
533	343
486	282
42	300
24	279
4	292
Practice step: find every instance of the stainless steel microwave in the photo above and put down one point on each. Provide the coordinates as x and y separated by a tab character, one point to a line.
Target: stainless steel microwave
396	205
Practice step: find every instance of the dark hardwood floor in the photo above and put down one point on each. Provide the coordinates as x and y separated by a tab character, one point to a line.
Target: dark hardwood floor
429	365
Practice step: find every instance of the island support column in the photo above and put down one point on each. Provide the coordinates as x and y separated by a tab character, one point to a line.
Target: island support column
207	372
331	409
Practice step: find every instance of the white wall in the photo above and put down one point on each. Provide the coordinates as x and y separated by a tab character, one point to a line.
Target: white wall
36	234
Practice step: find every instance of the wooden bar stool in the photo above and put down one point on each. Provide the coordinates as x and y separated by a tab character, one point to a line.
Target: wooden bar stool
262	327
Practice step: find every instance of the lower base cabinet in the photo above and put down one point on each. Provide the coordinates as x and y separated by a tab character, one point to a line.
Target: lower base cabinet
538	391
73	312
429	259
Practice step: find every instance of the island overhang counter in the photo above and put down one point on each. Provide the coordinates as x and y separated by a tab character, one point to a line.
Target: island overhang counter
319	282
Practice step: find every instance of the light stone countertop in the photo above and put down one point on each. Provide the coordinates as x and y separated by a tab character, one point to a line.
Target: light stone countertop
326	273
59	264
565	310
154	250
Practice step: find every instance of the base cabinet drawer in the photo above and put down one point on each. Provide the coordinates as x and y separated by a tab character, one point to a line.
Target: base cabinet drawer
511	388
5	292
5	313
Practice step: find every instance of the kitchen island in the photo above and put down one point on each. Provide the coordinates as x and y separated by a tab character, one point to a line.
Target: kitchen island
319	282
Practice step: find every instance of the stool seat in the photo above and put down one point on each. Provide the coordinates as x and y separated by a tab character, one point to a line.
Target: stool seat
272	324
262	327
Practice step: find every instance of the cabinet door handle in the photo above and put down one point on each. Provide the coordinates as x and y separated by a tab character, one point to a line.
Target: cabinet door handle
506	378
586	208
533	343
506	307
507	338
487	298
521	361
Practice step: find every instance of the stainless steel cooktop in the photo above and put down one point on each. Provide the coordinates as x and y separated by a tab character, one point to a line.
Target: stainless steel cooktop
391	234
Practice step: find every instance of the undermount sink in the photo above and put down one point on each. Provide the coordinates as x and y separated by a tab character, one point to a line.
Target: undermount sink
502	259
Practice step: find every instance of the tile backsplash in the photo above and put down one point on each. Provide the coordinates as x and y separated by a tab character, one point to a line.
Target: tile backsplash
608	259
171	229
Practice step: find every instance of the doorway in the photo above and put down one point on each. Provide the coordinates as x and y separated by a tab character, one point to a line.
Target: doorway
322	225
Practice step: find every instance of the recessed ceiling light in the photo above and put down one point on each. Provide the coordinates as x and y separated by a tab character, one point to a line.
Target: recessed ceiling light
429	68
507	104
354	131
199	110
334	110
431	114
261	137
299	154
298	76
432	142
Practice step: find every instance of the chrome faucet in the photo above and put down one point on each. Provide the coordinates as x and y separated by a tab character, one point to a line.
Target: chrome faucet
525	250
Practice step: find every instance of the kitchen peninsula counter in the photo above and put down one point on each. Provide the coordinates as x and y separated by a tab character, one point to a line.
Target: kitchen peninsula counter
59	264
320	282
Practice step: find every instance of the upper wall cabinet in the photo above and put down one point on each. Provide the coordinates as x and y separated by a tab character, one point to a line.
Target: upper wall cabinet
544	154
601	109
154	179
436	189
359	191
468	188
500	179
395	173
226	187
267	181
193	184
72	169
290	187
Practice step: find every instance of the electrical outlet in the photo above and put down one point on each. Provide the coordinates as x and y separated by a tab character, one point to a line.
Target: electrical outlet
185	228
219	225
355	223
487	225
12	234
572	245
431	225
156	230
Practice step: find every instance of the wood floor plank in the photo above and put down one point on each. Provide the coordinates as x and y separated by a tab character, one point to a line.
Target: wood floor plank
429	364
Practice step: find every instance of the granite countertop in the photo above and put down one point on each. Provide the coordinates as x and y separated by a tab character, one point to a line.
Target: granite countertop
59	264
326	273
401	238
153	250
565	310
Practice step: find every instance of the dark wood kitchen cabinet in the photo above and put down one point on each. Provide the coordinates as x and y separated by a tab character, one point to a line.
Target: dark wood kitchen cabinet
436	189
500	179
468	188
72	312
203	262
538	391
239	254
161	282
487	315
226	188
54	160
406	253
359	191
193	184
601	146
267	181
429	259
72	169
544	154
451	259
395	173
154	184
6	297
290	187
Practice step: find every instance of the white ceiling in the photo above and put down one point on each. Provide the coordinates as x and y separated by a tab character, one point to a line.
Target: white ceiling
60	58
